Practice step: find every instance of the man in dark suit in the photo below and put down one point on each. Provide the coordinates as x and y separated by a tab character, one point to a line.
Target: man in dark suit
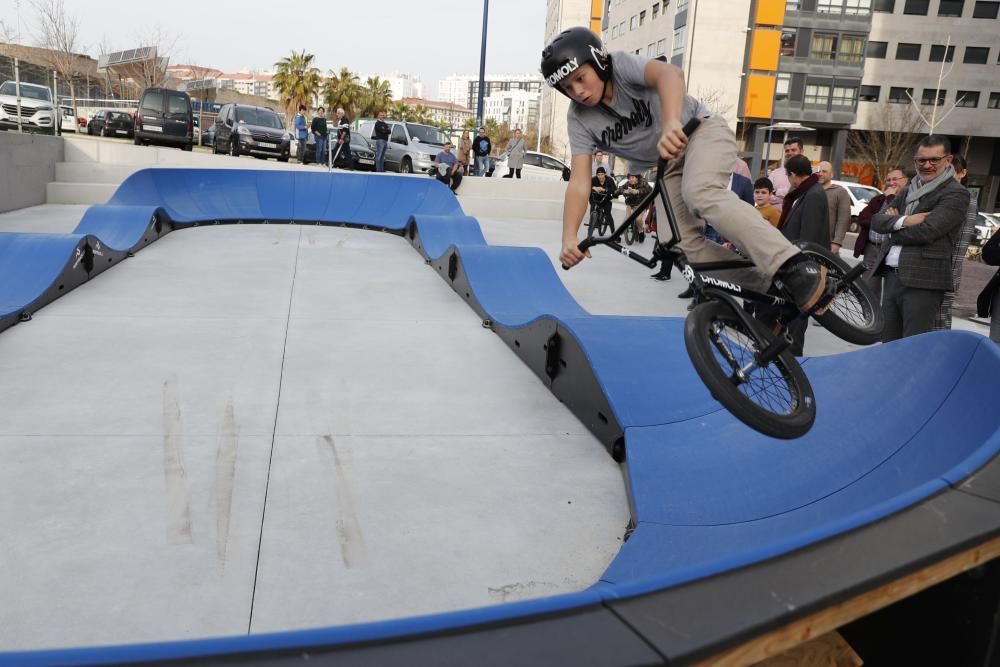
923	224
803	218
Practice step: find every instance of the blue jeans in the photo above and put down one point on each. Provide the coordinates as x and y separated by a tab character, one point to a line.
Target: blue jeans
300	149
482	164
380	146
321	150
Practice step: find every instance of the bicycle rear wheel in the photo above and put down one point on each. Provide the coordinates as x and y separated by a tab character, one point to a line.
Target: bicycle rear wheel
854	314
775	399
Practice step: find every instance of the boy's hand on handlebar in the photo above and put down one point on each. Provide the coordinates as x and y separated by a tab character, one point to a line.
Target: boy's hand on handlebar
571	255
672	141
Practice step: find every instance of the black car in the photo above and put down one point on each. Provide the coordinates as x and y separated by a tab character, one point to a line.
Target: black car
108	123
165	117
361	151
241	129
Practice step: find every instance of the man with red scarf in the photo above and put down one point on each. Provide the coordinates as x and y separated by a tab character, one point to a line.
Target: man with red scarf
803	218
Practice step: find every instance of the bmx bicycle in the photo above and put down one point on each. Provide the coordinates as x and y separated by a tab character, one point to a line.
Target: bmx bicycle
600	221
747	367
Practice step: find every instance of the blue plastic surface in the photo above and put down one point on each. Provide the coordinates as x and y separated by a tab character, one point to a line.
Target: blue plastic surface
895	423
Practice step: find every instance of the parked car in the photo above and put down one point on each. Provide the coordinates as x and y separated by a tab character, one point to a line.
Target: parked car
69	121
108	123
241	129
164	117
208	136
362	151
412	146
986	226
37	109
537	167
860	196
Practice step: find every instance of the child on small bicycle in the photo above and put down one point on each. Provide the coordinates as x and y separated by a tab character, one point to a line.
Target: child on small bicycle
602	191
636	107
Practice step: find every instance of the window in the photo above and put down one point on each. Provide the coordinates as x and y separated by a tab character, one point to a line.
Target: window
876	49
916	7
398	136
621	29
967	98
642	17
899	95
651	50
887	6
656	9
851	49
817	94
858	7
907	51
950	7
869	93
830	6
679	36
152	103
633	23
661	47
824	46
681	6
985	10
976	55
792	5
781	86
614	31
788	36
927	99
844	96
938	54
994	102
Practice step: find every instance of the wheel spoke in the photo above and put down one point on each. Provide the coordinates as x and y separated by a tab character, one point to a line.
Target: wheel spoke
766	386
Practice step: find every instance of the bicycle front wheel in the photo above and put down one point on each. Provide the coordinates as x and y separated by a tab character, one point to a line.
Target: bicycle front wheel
854	314
775	398
630	234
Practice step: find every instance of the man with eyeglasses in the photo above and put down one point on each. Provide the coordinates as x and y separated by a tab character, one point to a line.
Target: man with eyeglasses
923	223
869	243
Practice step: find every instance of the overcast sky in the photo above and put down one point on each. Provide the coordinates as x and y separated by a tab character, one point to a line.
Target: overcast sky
430	38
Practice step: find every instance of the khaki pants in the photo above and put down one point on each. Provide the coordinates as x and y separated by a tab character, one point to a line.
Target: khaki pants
698	188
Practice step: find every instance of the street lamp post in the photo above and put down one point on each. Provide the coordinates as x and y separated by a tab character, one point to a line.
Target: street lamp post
482	65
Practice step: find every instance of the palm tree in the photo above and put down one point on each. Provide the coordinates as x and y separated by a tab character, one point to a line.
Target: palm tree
378	96
297	81
421	114
343	90
470	123
400	111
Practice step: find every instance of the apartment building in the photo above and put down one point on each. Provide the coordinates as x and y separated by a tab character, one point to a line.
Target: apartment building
517	108
830	67
455	115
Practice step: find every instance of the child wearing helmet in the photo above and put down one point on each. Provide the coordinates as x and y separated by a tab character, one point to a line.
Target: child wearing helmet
635	108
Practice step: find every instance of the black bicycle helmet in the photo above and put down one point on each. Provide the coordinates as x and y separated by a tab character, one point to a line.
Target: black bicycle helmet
569	50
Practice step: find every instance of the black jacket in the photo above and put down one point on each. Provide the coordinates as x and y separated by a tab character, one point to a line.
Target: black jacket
808	219
482	151
381	130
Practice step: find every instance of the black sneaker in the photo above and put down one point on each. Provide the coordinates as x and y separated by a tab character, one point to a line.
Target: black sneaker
804	283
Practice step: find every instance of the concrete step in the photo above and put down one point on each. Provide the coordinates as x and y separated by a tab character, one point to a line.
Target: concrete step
79	193
94	172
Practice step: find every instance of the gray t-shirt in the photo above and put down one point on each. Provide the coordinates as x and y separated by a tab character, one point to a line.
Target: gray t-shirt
633	135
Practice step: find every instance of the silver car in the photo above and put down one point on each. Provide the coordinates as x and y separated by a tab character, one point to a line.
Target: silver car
412	147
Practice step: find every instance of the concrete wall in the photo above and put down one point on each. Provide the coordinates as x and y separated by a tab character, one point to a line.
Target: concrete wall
27	166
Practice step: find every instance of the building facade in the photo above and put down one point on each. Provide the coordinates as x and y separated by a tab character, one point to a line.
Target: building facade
516	108
562	15
455	115
822	69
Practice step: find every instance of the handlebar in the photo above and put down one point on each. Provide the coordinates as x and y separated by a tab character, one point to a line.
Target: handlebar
661	167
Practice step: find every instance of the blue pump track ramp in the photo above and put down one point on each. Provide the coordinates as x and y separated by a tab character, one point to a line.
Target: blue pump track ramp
733	533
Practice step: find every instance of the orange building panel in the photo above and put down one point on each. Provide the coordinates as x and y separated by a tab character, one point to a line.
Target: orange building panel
760	96
596	10
764	50
770	12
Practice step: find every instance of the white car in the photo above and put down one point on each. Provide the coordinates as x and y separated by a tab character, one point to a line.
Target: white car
986	226
537	167
37	109
69	122
860	196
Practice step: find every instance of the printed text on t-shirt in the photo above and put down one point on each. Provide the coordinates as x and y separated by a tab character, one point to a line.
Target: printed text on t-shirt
641	117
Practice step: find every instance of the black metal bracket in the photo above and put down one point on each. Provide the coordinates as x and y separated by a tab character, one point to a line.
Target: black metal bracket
552	347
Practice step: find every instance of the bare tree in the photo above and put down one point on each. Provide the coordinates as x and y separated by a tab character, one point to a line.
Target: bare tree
58	34
934	120
713	98
889	145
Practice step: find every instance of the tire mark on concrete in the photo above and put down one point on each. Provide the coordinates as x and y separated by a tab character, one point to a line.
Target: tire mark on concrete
352	543
225	475
176	486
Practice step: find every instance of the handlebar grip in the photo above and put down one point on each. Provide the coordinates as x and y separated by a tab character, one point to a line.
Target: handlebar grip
584	246
688	130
